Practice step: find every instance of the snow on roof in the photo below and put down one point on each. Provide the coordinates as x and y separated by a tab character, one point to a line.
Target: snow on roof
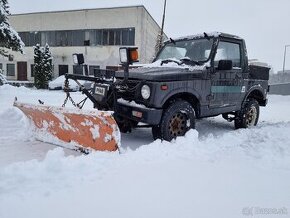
214	34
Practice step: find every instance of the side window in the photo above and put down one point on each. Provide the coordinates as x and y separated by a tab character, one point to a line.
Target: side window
10	69
92	69
78	69
228	51
62	69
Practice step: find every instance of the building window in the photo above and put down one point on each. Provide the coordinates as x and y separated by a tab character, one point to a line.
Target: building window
92	69
125	36
78	69
117	37
98	37
111	37
128	36
51	38
62	69
105	37
1	66
131	36
10	69
78	38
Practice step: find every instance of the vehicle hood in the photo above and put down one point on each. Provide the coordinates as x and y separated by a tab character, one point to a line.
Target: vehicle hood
163	74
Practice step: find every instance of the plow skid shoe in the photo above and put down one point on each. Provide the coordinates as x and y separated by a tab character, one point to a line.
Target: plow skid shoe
73	128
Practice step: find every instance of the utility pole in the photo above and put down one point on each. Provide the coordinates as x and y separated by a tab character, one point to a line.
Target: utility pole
163	19
161	34
285	57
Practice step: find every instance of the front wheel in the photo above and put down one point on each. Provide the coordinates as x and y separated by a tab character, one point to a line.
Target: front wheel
249	115
177	119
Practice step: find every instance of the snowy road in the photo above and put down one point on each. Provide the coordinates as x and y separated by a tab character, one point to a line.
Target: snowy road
215	171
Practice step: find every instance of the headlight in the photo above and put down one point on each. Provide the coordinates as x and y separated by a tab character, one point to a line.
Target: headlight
145	92
123	55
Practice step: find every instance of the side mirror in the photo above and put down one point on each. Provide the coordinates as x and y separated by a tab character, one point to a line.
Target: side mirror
225	65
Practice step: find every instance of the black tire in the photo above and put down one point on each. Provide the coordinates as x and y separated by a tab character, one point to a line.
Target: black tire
177	119
249	115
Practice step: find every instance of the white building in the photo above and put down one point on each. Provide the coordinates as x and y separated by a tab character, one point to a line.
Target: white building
97	33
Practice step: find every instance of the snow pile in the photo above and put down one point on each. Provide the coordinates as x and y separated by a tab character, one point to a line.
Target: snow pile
168	179
213	172
14	118
54	98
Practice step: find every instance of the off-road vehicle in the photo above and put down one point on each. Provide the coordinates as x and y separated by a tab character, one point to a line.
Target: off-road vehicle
191	78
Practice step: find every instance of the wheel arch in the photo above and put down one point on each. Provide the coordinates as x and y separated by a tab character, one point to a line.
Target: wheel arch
258	94
189	97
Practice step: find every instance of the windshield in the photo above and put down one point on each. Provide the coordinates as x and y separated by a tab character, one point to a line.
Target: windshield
194	49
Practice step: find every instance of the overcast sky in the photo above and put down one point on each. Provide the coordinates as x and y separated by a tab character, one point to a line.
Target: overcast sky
264	24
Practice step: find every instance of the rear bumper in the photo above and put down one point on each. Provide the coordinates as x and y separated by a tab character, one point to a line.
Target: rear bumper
149	116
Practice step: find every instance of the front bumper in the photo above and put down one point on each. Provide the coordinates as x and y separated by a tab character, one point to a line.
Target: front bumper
149	116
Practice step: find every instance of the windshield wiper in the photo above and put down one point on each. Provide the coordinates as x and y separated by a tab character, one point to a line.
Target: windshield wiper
187	60
206	36
172	41
166	61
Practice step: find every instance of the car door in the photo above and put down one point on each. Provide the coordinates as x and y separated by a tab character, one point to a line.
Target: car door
226	83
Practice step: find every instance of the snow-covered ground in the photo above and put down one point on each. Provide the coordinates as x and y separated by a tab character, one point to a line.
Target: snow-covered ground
215	171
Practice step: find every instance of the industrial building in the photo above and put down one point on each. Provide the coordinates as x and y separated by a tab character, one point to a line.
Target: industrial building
97	33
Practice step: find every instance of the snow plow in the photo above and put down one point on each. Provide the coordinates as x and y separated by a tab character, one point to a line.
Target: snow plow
73	128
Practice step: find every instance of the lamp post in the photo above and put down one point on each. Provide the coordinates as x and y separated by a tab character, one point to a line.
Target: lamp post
286	46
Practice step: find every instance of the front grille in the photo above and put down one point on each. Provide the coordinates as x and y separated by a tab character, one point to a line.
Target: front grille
129	90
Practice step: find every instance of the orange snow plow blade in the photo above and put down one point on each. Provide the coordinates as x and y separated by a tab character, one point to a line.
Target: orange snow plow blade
73	128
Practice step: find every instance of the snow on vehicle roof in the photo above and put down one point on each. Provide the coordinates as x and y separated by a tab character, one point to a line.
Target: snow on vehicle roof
201	35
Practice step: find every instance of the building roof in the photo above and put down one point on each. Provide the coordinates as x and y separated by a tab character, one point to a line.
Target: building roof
89	9
82	9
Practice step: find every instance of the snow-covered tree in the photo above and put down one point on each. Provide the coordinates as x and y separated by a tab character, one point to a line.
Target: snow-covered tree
9	38
42	66
39	78
47	64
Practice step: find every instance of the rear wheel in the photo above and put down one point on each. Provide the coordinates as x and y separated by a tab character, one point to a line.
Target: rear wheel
177	119
249	115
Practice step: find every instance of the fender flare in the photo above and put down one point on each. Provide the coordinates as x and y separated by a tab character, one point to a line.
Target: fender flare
253	89
183	91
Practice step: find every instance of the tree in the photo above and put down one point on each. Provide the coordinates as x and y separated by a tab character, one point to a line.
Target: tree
9	38
38	76
42	66
47	64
